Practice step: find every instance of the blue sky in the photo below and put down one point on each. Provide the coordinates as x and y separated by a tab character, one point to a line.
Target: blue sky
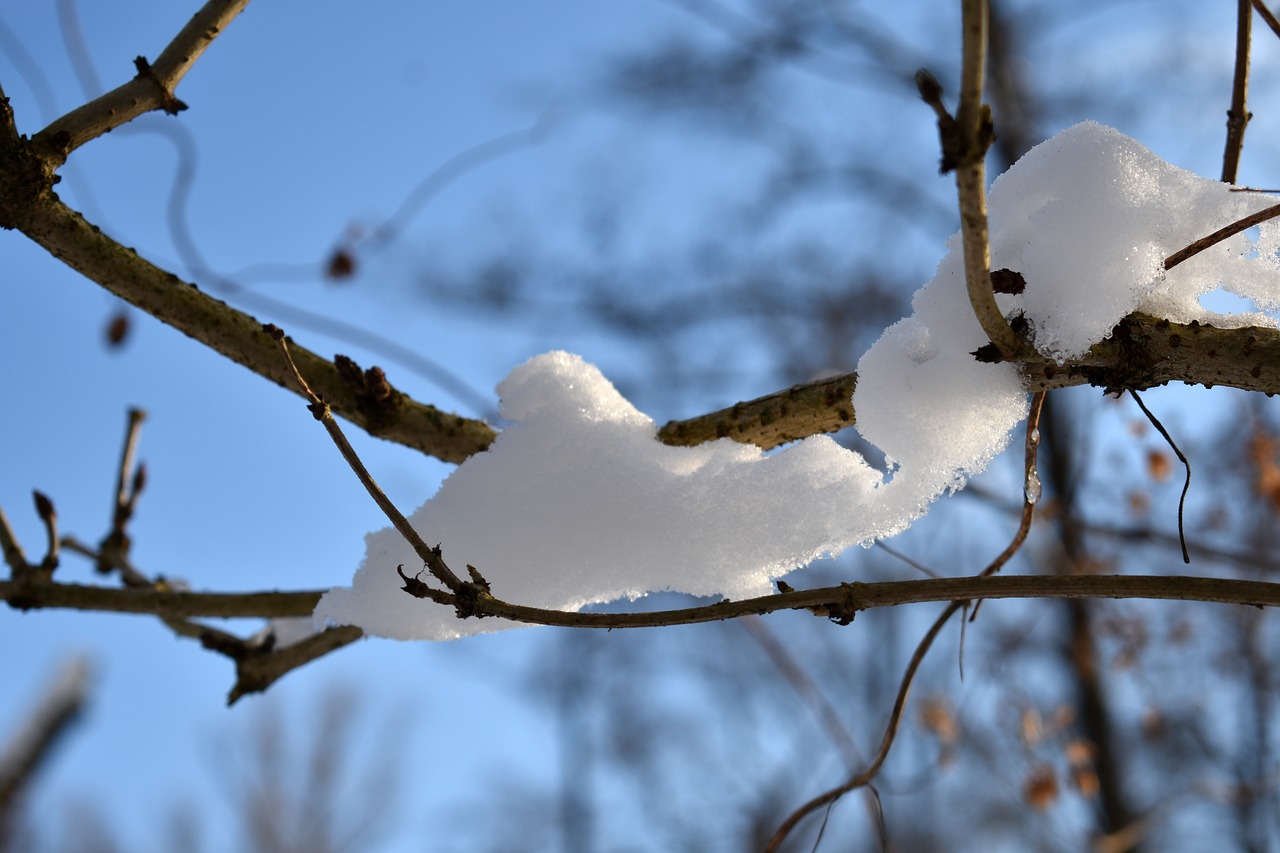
310	121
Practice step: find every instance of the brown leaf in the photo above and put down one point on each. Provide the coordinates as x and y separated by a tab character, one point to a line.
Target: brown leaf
1031	727
1040	790
117	329
936	716
1158	466
1263	454
1085	780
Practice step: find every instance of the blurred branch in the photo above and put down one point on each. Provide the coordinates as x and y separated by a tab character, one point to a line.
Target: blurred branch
151	89
47	722
14	556
886	743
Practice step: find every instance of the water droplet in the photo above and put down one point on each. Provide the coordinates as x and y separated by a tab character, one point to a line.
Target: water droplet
1032	488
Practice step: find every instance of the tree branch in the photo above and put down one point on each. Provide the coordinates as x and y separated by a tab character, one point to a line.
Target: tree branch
56	711
846	598
29	593
974	132
364	398
151	89
1142	352
1238	116
801	410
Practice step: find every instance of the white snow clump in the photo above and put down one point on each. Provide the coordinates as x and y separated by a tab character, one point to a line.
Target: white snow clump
577	502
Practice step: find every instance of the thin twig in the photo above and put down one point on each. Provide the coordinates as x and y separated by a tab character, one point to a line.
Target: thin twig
974	130
1030	494
77	48
320	410
1031	481
898	555
1186	484
151	89
886	743
1221	234
1238	116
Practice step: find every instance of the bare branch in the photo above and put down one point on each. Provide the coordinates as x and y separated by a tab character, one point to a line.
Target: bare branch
256	672
1221	234
845	598
1238	116
801	410
258	664
974	133
49	720
429	556
381	411
1031	481
28	594
151	89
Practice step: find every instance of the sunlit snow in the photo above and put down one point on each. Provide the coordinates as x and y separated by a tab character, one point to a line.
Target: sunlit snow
578	503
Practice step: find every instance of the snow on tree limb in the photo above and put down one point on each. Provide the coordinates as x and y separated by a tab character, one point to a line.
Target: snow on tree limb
578	502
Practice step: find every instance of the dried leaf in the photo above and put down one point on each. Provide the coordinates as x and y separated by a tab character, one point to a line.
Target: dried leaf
1085	780
1041	788
936	716
1031	727
1158	466
117	330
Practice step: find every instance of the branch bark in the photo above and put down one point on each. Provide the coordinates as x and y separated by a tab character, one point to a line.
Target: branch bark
974	132
845	599
365	399
150	89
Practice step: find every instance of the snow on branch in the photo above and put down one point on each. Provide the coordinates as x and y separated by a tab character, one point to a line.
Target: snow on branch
578	502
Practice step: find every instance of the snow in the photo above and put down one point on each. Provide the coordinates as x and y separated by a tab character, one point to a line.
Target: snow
577	502
1088	218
